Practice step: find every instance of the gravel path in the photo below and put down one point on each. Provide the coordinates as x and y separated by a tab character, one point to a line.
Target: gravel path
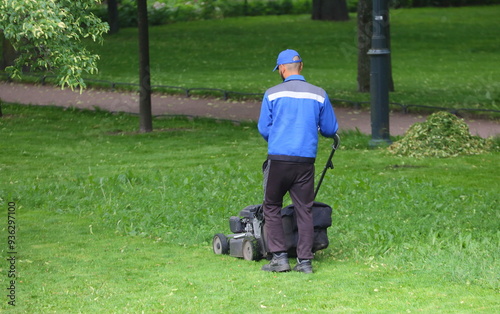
349	119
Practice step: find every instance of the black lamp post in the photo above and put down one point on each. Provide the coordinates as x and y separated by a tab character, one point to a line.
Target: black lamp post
379	75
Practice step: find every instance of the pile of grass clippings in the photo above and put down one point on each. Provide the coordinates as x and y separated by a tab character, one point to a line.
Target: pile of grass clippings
441	135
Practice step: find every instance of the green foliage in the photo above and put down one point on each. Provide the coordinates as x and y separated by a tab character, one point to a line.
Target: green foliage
164	11
47	35
168	11
441	3
441	135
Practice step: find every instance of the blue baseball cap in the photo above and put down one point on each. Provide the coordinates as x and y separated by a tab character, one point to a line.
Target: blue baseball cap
287	56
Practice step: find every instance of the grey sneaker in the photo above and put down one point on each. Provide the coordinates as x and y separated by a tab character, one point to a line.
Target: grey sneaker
278	264
304	266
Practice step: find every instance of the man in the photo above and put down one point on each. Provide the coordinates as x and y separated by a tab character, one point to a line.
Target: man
291	115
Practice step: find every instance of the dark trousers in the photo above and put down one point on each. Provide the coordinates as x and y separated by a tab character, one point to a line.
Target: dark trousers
281	177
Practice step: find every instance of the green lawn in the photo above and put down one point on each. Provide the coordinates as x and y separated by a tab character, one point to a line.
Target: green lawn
440	56
110	220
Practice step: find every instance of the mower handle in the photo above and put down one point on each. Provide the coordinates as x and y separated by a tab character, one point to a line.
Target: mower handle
329	164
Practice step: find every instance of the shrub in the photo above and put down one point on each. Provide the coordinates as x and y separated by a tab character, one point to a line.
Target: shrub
441	3
164	11
169	11
158	13
127	13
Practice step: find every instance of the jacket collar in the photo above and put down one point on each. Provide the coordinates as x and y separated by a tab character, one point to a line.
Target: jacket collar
295	77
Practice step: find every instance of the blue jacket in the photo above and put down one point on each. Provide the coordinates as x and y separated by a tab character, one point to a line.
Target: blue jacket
291	115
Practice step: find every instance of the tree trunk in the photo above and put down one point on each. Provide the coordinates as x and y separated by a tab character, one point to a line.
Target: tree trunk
364	44
388	36
113	21
145	113
9	54
365	21
330	10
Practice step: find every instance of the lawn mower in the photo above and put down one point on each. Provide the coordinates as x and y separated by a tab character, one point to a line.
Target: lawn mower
248	238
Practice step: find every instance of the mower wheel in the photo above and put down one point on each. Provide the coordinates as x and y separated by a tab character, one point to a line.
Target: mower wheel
251	250
220	244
